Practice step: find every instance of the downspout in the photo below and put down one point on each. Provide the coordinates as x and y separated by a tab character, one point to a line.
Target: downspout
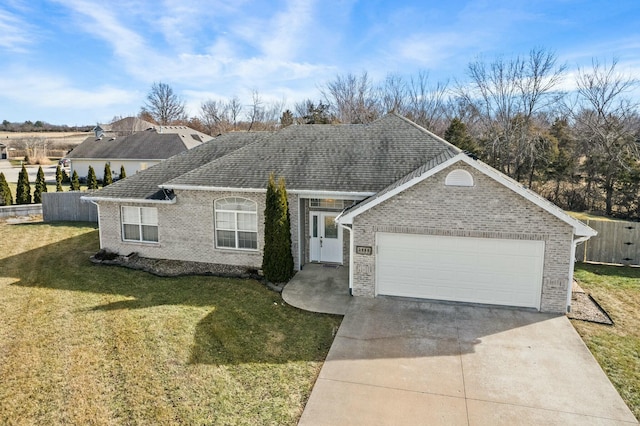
351	245
301	232
99	227
572	268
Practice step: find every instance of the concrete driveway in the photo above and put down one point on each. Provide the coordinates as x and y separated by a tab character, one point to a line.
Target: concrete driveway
11	173
403	362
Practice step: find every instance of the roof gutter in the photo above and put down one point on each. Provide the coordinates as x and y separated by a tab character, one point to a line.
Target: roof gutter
210	188
127	200
344	195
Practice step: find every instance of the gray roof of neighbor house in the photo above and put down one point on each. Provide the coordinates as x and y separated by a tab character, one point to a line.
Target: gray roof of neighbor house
147	145
341	158
145	185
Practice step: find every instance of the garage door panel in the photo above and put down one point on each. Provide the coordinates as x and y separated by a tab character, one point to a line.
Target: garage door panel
479	270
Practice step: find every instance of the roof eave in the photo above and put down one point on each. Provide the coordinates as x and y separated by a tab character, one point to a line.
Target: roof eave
127	200
209	188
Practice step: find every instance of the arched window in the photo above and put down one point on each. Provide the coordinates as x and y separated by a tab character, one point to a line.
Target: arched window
236	223
459	177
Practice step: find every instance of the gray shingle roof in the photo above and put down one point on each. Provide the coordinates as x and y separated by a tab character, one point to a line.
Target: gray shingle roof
341	158
144	185
147	145
344	158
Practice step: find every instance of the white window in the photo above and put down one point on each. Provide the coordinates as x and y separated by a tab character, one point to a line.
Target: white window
140	224
236	223
327	203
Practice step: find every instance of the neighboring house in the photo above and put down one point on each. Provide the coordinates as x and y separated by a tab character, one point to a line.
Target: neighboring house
123	127
3	152
137	151
409	213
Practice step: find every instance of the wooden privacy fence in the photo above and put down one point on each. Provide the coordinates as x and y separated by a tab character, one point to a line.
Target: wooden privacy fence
617	242
67	207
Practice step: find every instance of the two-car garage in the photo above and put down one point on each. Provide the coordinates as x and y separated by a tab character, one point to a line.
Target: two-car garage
466	269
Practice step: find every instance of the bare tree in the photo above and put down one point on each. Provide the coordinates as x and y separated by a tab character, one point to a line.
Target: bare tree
427	103
235	109
506	96
35	148
607	123
394	94
256	109
215	116
164	105
353	99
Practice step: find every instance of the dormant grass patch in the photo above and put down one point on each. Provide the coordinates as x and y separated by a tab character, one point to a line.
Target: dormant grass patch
88	344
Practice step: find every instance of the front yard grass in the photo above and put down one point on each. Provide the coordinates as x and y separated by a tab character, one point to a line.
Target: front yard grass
617	348
88	344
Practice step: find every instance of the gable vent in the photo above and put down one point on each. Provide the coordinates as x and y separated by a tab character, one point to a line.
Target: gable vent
459	177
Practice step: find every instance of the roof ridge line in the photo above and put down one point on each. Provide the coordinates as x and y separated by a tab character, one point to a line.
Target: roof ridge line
430	133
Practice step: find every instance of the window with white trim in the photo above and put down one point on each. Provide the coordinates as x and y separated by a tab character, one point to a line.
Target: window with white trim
327	203
140	224
236	223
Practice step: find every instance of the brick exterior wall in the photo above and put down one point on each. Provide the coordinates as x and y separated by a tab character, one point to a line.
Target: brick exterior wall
486	210
186	230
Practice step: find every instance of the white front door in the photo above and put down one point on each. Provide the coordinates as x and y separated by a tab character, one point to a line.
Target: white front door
326	238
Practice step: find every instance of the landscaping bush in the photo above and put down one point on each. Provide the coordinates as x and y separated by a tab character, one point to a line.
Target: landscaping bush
59	178
6	199
23	190
277	261
92	181
41	186
75	182
107	179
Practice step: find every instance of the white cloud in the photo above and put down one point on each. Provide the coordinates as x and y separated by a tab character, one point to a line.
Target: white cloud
102	23
51	91
14	32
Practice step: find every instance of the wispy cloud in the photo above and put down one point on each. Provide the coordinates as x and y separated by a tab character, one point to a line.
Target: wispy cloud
52	91
15	33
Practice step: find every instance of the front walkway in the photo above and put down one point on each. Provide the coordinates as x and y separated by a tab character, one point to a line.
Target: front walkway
319	288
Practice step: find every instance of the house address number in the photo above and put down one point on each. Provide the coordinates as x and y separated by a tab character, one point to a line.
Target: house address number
364	250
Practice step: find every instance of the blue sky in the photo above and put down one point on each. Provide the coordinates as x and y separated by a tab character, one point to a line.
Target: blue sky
80	62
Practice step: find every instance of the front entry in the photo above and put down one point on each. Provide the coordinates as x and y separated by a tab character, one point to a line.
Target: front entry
326	238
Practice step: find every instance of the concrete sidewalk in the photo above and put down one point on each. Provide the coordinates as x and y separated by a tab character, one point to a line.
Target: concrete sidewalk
405	362
319	288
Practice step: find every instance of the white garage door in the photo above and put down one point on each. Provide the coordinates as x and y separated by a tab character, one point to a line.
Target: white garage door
478	270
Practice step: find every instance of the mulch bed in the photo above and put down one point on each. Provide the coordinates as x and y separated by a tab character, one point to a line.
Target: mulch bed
585	308
178	268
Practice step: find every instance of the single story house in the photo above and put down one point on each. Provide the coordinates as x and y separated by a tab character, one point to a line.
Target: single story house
408	213
136	151
122	127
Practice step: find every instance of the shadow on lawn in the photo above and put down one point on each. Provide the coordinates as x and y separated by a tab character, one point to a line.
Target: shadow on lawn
610	270
246	323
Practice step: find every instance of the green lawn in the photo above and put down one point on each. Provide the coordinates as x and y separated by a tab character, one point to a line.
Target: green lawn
617	348
88	344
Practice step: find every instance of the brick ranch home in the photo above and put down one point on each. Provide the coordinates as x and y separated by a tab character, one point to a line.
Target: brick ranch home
409	213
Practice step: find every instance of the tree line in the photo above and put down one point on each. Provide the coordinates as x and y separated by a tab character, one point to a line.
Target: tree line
23	186
573	137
